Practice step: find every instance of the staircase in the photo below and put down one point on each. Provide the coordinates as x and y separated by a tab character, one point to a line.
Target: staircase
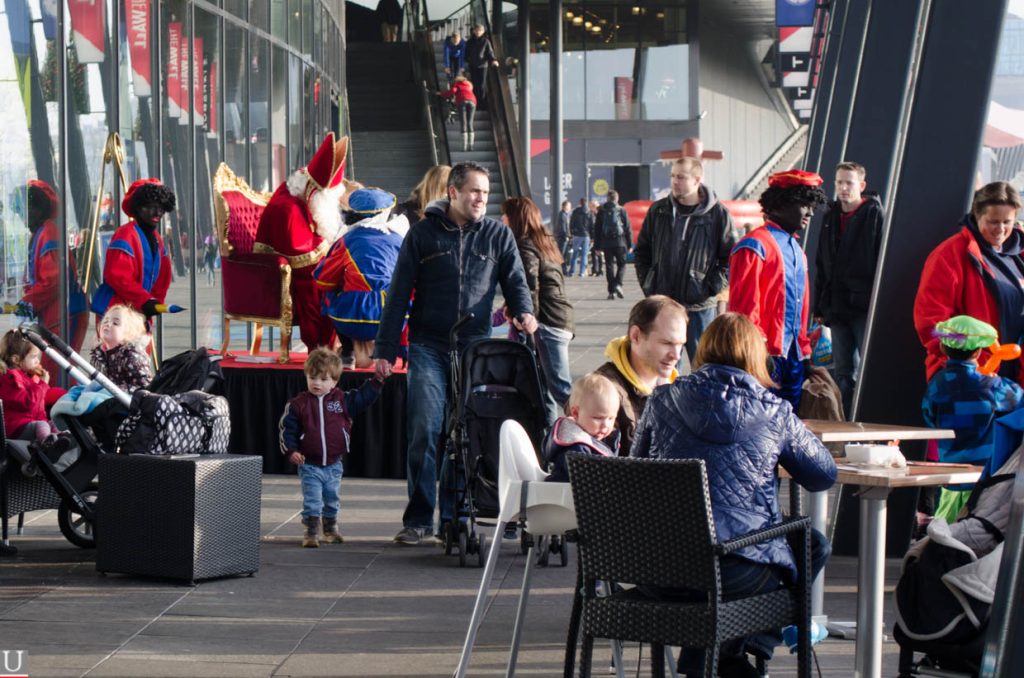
786	157
390	143
484	150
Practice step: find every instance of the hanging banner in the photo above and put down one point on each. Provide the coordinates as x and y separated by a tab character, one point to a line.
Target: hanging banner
88	21
199	117
211	106
795	39
173	76
795	12
623	98
185	81
19	22
48	10
138	18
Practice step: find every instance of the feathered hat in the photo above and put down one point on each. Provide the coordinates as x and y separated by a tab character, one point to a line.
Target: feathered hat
328	164
370	201
126	203
46	189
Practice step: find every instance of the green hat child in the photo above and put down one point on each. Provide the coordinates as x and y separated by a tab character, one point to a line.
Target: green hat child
964	333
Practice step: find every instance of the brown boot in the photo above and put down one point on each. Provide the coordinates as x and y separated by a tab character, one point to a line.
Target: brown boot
331	534
309	539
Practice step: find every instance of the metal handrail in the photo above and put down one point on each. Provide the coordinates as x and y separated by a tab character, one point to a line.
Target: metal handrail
425	69
506	129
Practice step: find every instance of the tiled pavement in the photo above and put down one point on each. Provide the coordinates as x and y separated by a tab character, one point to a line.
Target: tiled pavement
364	608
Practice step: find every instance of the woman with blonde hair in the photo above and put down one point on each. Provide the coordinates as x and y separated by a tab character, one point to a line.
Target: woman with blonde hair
433	186
542	262
725	414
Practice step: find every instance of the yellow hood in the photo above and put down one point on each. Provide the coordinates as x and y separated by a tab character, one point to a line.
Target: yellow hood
617	351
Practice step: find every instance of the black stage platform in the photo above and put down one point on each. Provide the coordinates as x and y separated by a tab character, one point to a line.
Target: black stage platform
257	394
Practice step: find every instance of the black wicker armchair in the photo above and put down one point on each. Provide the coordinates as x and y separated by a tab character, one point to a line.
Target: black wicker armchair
649	523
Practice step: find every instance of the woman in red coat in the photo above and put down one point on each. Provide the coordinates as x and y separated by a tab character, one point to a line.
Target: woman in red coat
465	104
977	272
137	270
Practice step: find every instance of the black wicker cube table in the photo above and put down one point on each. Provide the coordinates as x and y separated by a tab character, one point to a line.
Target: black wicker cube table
180	517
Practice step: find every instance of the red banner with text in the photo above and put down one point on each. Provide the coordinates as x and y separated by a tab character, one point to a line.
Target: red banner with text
173	75
138	45
88	22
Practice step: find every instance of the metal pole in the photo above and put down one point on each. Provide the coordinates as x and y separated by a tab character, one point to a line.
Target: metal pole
193	227
62	187
870	582
555	129
523	81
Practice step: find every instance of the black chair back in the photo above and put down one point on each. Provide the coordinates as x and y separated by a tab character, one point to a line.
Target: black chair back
645	521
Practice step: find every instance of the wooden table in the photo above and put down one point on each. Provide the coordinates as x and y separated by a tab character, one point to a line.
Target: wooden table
870	570
875	486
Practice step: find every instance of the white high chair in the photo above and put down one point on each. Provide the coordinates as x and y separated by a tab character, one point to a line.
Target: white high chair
546	508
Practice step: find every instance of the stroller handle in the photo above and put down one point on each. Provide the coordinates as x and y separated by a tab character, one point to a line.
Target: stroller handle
70	361
453	335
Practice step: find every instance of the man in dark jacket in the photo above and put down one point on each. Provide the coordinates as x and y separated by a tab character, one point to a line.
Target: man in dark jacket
612	231
479	55
683	248
454	259
580	224
851	235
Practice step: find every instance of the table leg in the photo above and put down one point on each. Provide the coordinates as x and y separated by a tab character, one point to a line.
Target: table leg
817	509
870	582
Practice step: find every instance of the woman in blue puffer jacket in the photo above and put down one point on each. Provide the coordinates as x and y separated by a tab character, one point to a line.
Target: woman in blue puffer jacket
724	414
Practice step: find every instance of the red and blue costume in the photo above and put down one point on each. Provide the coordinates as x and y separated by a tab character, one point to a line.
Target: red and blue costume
134	272
768	283
355	276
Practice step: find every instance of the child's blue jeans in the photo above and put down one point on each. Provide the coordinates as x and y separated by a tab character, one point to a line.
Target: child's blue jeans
321	490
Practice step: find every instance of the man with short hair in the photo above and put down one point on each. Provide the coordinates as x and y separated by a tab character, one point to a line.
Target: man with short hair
454	259
768	277
683	247
580	224
851	236
615	238
644	359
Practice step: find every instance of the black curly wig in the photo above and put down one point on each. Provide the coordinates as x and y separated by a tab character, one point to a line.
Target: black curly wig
155	194
775	198
38	199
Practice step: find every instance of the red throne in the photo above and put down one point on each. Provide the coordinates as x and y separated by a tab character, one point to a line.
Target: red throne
256	286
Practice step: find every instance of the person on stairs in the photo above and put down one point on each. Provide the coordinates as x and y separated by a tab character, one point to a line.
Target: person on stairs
465	104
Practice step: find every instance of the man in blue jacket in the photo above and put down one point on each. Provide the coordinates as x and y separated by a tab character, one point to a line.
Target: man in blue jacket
454	259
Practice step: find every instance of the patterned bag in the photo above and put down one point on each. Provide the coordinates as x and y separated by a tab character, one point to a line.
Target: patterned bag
193	422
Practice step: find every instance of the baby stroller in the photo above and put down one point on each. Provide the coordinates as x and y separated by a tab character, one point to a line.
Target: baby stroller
151	422
945	594
493	380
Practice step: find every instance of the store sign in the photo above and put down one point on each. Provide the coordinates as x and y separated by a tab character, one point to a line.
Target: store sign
173	76
88	21
138	16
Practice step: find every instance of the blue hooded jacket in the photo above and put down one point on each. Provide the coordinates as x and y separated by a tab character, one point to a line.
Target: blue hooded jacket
742	431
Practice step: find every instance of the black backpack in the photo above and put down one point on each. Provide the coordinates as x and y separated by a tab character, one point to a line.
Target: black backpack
610	224
189	371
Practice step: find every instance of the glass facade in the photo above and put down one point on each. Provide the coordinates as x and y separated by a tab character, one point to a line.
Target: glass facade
186	85
621	62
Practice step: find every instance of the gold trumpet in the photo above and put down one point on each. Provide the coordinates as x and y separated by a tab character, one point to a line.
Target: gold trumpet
113	152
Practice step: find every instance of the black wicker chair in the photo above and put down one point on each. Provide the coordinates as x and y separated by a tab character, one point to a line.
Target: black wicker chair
648	522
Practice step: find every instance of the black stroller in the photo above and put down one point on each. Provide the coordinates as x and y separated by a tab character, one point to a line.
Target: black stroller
493	380
30	480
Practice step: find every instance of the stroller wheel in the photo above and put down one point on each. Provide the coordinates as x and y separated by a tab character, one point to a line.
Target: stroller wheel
481	550
463	547
563	552
78	529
